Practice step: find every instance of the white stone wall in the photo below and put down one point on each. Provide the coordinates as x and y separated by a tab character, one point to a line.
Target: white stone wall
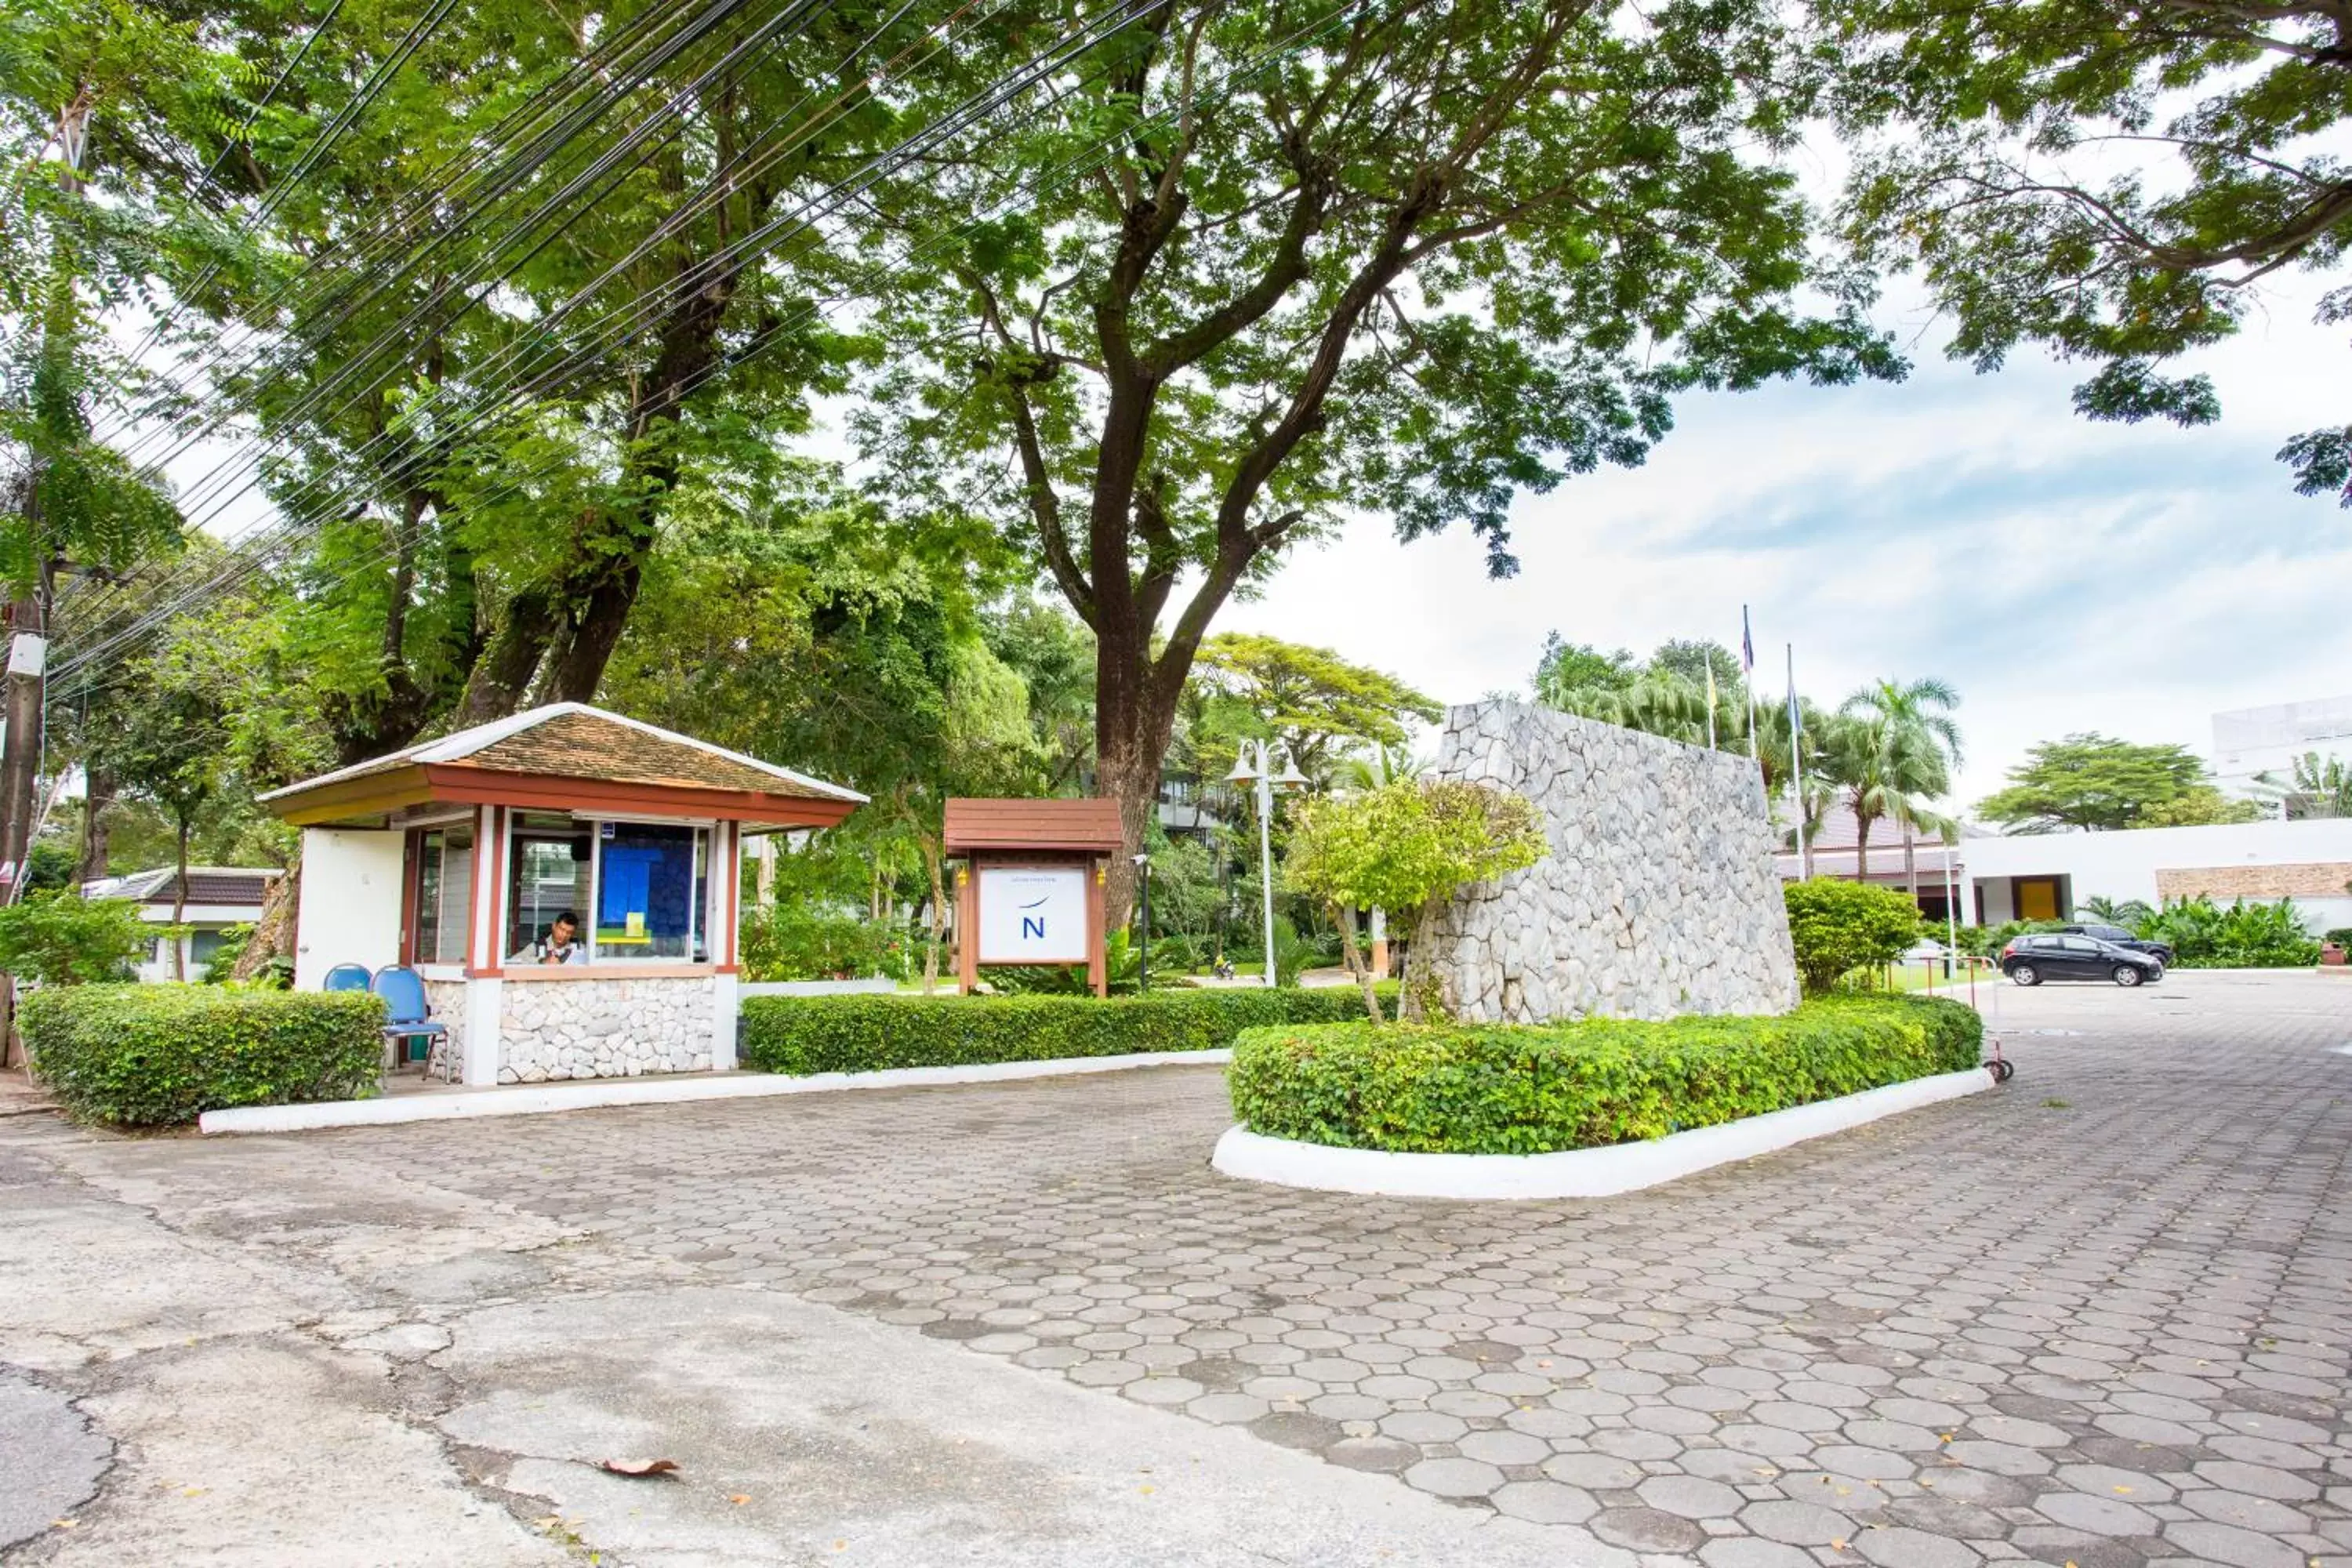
447	1000
603	1028
1658	898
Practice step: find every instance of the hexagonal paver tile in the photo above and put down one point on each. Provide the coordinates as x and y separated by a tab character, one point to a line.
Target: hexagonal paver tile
1545	1502
1646	1529
1690	1497
1905	1548
1454	1477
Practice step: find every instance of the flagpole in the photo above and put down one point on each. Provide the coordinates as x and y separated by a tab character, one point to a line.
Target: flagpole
1797	768
1747	679
1711	704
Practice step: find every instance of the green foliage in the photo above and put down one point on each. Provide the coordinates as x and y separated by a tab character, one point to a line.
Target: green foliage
1514	1090
2341	936
159	1056
277	973
2106	181
1399	847
1839	926
2203	935
2091	781
1566	666
1314	702
2127	913
791	942
863	1034
58	938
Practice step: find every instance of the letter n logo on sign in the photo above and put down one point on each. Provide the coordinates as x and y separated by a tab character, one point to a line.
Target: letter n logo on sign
1033	927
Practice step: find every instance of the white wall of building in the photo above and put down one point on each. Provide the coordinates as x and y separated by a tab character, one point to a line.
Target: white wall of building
2252	741
350	910
2122	866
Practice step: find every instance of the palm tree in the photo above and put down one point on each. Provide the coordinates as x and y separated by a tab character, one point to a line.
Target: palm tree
1881	770
1924	706
2312	788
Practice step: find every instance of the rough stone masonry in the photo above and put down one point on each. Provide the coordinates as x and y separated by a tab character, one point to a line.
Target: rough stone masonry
1659	896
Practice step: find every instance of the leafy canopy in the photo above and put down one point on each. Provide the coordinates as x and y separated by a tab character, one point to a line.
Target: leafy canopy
1404	845
2112	182
2094	782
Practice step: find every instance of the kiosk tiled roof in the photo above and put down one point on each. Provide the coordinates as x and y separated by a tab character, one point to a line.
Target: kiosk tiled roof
572	739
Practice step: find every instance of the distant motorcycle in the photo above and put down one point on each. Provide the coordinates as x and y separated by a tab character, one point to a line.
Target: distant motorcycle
1222	969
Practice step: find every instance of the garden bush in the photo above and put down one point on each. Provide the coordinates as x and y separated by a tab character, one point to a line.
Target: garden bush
861	1034
156	1056
2340	935
1532	1089
58	938
2204	935
1839	927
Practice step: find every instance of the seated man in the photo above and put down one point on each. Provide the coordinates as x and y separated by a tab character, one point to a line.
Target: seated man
560	944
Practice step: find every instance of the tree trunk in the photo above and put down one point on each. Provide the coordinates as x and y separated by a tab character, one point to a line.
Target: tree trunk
503	673
1131	736
97	808
932	857
1910	868
1425	998
1861	847
180	910
273	933
1354	958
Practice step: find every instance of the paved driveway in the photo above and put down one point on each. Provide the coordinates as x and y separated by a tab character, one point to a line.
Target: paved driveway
2099	1317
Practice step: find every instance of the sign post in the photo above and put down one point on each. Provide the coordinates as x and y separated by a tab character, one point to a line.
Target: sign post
1031	888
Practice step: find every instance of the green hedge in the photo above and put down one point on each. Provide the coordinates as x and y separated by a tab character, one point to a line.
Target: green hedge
1500	1089
156	1056
860	1034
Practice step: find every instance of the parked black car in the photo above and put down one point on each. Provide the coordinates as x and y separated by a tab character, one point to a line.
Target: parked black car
2058	955
2160	951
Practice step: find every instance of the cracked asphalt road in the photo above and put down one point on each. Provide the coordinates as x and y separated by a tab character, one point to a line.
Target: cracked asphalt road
2098	1316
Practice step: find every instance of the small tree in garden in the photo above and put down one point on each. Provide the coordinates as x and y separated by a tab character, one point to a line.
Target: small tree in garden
60	940
1839	927
1407	847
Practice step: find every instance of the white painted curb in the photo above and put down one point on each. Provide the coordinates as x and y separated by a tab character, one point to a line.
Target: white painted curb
1573	1173
590	1094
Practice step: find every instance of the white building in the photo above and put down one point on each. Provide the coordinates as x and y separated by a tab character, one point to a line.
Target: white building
2049	875
219	897
2249	741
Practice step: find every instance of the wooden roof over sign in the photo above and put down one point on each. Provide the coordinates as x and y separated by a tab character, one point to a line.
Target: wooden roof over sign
1086	827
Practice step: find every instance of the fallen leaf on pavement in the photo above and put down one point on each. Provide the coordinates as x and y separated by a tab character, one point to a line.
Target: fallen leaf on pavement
639	1467
740	1498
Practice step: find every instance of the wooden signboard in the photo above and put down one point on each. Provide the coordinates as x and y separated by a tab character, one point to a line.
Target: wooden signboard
1031	888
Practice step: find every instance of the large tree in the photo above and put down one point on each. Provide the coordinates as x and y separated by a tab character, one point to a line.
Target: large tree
1310	701
2113	181
1260	262
2090	782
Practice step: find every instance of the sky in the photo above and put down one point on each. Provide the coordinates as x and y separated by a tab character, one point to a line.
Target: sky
2064	575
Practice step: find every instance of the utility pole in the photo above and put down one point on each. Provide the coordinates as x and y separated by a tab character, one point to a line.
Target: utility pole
22	746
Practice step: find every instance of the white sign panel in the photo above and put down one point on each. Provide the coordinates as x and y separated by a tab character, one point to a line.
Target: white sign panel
1033	914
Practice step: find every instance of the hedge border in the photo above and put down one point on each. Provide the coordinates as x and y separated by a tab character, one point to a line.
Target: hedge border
151	1055
1504	1089
803	1035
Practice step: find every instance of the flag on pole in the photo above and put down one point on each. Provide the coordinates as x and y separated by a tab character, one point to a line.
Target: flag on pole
1711	704
1747	677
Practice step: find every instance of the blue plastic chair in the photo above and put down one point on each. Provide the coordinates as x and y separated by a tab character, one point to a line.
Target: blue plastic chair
346	977
408	1018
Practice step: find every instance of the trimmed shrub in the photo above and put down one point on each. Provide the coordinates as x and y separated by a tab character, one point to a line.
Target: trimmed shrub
1519	1089
1839	927
2204	935
862	1033
156	1056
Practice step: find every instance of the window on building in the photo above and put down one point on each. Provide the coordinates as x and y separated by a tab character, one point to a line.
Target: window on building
648	880
635	889
444	890
548	872
203	946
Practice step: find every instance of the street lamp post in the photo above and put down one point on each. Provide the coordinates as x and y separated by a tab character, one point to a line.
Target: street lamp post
1143	950
1250	769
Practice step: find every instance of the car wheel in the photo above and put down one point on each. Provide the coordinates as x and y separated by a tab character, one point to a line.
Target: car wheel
2128	976
2025	974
